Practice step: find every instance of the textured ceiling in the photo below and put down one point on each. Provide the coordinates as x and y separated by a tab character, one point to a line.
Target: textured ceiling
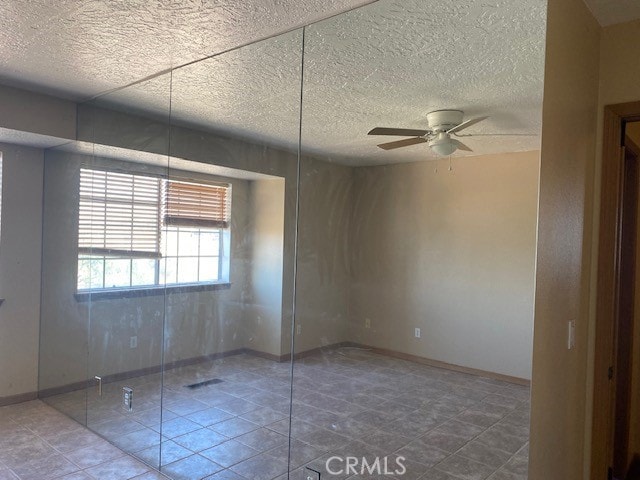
390	63
386	64
610	12
79	48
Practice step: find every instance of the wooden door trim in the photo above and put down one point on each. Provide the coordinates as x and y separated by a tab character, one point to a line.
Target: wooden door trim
607	282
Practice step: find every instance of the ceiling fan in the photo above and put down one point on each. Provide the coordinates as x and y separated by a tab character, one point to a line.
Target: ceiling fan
442	124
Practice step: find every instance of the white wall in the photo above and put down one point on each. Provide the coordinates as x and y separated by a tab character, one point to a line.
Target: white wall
20	253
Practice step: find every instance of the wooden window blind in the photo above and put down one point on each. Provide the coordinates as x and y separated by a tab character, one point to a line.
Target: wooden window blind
119	214
196	205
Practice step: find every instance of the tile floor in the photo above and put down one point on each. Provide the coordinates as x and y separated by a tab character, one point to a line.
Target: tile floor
37	442
347	402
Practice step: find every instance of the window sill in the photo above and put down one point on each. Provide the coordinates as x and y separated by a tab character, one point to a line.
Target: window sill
116	293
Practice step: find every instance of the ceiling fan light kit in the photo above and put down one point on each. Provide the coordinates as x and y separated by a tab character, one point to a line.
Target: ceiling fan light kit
442	145
442	124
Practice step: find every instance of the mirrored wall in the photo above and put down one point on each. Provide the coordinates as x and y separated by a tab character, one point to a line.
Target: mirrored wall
213	220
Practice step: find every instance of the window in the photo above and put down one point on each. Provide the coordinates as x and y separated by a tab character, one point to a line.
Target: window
139	231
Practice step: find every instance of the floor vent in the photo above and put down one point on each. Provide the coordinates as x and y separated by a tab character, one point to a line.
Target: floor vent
213	381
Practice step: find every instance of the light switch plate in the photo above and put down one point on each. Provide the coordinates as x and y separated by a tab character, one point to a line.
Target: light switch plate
571	335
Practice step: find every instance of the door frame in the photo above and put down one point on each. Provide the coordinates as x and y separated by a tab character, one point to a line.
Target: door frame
611	207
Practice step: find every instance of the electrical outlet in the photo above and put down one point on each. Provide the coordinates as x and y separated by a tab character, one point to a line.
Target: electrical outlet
367	323
133	342
417	333
298	329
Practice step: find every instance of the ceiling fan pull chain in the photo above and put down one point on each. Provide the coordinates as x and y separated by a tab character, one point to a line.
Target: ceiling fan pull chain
450	164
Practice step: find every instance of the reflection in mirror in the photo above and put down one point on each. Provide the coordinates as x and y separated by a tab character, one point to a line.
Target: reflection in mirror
415	278
229	386
179	254
102	297
175	223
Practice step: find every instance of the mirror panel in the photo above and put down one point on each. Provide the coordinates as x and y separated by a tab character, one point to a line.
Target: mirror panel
415	272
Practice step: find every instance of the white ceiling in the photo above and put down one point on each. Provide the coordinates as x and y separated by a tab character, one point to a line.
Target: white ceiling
386	64
610	12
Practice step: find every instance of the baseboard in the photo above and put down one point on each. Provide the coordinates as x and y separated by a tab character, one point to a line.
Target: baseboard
266	355
117	377
19	398
203	358
444	365
314	351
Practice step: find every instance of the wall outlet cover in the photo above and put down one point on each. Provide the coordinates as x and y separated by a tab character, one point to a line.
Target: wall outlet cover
133	342
418	333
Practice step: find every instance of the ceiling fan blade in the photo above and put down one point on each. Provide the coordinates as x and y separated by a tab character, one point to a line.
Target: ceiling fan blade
401	132
497	135
466	124
460	145
402	143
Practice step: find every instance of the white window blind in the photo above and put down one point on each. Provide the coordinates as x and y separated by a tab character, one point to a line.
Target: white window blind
196	205
119	214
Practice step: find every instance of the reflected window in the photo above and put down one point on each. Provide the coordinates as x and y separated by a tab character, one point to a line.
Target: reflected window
137	231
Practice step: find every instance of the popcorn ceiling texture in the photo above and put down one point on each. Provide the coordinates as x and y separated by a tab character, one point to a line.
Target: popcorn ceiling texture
386	64
390	63
79	48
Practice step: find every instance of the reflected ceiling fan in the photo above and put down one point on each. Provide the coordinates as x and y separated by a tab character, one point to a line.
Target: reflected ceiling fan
442	125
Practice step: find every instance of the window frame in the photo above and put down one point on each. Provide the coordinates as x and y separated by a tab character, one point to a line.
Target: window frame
160	288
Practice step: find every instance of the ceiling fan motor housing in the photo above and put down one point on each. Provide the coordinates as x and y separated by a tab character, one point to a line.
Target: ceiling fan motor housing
443	120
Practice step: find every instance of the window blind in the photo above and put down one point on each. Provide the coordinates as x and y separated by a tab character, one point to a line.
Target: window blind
196	205
119	214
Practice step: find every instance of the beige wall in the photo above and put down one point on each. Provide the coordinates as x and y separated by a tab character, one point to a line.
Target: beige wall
559	383
633	131
193	324
452	253
324	248
31	112
327	250
619	66
20	245
619	82
266	207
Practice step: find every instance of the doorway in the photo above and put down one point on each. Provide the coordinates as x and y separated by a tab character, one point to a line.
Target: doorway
615	445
